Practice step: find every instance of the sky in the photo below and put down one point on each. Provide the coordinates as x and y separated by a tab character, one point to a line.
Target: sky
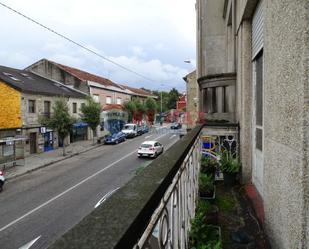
151	37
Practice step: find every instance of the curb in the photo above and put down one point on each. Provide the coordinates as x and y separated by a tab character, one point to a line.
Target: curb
53	162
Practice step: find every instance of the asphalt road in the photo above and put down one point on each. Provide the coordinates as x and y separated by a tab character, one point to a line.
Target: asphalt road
46	203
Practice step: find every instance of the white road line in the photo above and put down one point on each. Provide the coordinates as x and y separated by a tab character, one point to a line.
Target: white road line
148	136
172	136
29	244
68	190
104	198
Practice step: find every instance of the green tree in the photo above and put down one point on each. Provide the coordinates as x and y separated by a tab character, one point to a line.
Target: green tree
130	107
91	114
151	107
61	120
173	98
140	110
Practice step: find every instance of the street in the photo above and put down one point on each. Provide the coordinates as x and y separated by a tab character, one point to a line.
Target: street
39	207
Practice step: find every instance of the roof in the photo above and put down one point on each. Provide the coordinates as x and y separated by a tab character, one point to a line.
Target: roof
83	75
112	106
189	75
25	81
139	91
93	79
149	142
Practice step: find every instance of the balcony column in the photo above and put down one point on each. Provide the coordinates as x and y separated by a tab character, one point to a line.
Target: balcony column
220	99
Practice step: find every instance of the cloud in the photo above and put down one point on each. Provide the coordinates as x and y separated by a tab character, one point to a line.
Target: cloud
148	36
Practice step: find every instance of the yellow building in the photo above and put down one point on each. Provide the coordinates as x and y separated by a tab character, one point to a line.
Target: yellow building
10	107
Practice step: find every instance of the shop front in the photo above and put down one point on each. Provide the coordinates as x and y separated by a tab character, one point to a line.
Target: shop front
113	118
79	132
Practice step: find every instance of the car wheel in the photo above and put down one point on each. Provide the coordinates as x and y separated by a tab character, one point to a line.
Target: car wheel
116	142
162	150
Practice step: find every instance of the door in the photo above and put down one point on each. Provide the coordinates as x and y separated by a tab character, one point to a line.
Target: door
33	143
48	141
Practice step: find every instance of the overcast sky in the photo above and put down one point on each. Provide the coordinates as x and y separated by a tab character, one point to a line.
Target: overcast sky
152	37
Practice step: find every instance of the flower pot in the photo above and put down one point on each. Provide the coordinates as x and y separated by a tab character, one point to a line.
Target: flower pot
209	195
211	217
229	179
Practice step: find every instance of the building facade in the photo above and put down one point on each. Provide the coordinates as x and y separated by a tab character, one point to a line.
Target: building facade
27	98
192	107
253	70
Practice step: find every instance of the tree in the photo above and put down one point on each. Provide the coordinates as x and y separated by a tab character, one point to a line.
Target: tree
61	120
151	107
173	98
130	107
140	110
91	114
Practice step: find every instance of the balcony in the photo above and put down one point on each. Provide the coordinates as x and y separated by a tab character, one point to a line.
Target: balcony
155	209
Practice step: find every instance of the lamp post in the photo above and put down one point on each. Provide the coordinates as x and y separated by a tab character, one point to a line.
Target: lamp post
161	105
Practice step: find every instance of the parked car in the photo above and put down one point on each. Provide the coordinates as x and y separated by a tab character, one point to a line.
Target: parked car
145	128
150	149
2	180
130	130
176	126
115	138
139	130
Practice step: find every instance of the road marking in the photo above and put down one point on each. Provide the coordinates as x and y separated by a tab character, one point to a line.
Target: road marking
148	136
104	198
172	136
68	190
29	244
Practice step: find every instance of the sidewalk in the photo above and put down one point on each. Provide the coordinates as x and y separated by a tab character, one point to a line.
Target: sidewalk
37	161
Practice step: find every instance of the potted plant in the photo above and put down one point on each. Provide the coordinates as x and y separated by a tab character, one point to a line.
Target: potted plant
209	211
229	166
209	165
206	186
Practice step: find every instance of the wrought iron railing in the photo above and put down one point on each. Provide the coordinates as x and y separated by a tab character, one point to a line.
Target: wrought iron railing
170	223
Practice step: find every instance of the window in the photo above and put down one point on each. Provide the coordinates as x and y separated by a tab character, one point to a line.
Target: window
31	106
74	107
46	106
119	101
108	100
96	98
259	101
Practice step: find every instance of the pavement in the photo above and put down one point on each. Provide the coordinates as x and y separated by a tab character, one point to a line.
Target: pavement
37	161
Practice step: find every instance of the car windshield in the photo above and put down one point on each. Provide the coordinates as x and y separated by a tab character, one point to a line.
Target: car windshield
128	127
146	145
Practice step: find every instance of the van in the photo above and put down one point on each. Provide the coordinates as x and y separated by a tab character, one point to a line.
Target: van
130	130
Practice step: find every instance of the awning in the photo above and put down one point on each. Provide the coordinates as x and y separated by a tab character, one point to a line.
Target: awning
80	125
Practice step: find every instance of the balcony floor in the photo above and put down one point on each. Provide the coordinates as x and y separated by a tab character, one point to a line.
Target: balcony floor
236	214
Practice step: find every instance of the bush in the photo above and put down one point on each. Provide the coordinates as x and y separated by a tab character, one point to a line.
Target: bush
208	165
229	164
206	183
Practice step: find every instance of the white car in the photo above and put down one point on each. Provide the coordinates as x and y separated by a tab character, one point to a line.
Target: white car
130	130
150	149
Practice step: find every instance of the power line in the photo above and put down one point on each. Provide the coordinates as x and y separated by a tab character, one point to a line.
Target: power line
76	43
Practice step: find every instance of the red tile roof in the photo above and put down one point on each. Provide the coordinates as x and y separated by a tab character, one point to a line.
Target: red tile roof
138	91
82	75
112	106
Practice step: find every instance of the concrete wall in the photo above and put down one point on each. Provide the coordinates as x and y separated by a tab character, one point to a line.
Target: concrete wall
211	38
51	71
192	99
10	114
286	123
103	93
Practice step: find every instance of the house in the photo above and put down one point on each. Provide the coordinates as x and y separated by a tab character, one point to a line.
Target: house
252	71
192	99
101	89
25	98
181	103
